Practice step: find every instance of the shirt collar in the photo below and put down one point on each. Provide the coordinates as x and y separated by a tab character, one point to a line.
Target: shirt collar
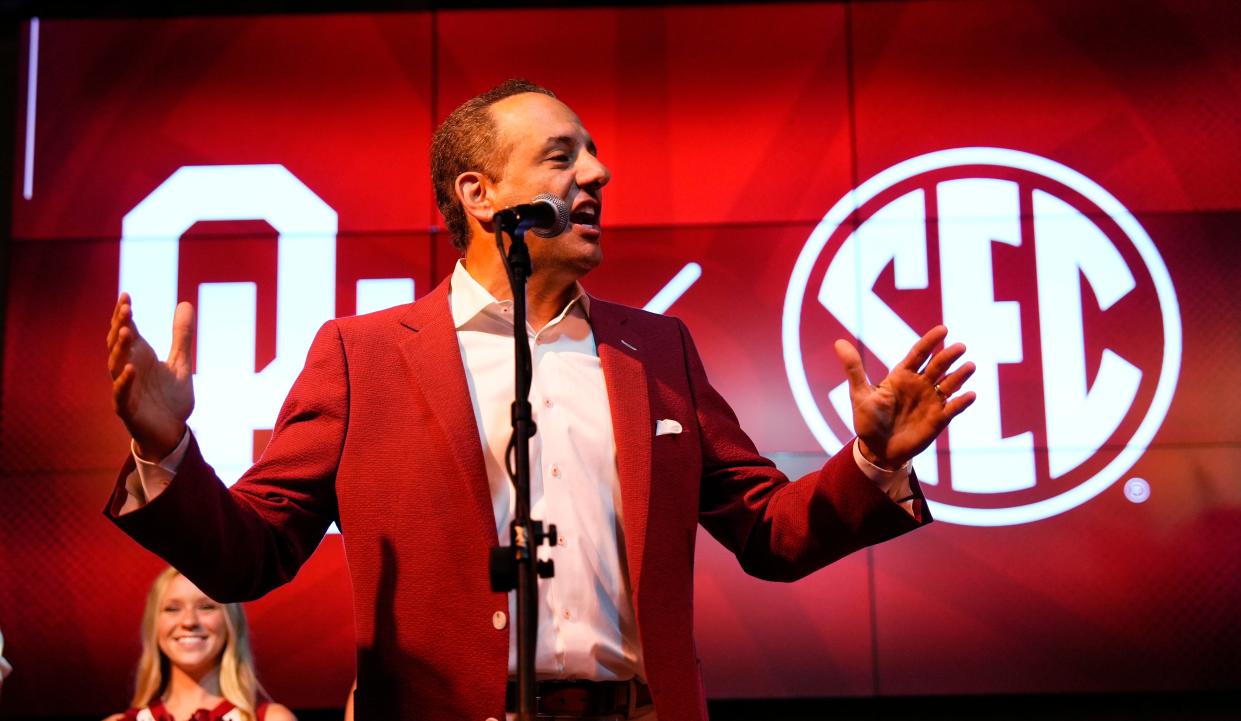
468	298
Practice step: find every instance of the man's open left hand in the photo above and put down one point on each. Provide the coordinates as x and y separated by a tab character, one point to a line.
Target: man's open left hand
901	416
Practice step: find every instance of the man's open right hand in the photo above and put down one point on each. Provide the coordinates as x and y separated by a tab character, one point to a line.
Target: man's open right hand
152	397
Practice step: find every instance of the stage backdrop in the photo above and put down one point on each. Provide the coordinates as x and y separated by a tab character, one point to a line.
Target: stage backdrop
1054	180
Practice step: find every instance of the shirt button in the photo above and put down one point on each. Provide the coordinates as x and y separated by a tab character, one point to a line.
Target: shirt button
499	619
566	614
556	471
560	539
547	402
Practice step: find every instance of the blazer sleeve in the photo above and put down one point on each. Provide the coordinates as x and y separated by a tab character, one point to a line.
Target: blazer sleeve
782	530
237	544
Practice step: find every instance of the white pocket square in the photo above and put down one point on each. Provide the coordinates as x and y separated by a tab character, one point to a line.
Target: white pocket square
667	426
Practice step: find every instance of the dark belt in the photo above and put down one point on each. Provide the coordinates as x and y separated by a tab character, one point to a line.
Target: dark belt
585	699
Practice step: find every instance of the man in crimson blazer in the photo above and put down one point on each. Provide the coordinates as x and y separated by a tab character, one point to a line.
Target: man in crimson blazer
386	433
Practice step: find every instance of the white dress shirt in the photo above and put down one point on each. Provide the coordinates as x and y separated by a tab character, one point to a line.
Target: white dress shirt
586	617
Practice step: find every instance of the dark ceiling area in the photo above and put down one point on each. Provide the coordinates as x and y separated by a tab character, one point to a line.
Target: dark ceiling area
181	8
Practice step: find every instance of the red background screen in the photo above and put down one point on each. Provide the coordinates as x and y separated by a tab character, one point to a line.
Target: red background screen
731	132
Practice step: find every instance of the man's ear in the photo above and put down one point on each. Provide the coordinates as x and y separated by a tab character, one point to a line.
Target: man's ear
475	191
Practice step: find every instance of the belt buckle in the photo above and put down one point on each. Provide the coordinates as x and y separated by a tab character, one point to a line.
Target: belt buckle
628	710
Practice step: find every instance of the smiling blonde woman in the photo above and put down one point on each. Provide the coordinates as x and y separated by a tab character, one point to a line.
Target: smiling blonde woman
196	663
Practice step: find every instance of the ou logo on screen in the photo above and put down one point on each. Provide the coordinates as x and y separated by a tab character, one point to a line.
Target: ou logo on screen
1059	293
232	399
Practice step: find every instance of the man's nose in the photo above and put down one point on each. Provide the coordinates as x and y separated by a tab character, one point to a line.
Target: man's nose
592	172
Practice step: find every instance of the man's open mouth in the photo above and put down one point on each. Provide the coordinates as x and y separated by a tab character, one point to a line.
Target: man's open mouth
586	215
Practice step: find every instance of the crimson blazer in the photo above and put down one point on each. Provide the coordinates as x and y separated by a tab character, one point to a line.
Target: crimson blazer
378	434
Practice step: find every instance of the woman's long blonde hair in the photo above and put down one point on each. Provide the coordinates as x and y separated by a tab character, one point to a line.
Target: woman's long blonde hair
238	682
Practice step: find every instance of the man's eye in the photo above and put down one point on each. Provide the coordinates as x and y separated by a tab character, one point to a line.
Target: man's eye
560	158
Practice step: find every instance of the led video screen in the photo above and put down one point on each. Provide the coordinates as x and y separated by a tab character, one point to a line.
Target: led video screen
1055	185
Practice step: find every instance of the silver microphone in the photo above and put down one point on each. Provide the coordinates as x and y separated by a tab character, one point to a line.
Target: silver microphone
546	215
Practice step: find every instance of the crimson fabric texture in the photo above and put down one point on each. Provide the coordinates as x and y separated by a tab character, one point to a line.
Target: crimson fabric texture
160	713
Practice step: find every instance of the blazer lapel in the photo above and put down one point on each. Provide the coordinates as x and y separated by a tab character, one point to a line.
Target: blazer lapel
624	373
432	351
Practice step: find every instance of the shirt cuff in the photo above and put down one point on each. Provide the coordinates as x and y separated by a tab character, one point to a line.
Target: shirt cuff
149	479
894	483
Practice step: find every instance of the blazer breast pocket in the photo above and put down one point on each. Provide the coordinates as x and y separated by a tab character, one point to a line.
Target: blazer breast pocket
667	427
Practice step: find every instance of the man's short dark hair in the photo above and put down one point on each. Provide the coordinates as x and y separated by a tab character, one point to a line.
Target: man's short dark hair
467	141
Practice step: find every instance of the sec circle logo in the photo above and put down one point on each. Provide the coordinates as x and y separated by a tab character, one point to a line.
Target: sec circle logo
1059	293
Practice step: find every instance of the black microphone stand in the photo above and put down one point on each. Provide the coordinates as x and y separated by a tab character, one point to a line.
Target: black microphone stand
516	566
